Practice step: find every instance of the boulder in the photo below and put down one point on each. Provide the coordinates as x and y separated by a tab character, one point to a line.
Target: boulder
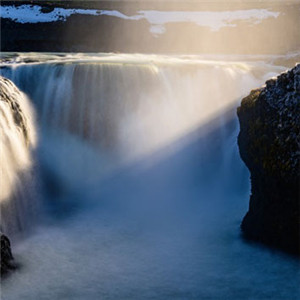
269	143
6	257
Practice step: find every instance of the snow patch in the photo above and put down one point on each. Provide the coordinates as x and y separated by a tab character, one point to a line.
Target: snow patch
215	20
33	14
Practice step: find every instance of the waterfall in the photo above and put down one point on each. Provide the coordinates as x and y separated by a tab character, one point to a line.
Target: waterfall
18	138
97	113
133	108
143	187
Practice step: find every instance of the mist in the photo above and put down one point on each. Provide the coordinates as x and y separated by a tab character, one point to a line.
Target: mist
146	202
134	185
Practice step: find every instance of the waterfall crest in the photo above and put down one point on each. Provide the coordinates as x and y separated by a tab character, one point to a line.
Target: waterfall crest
98	114
17	139
133	105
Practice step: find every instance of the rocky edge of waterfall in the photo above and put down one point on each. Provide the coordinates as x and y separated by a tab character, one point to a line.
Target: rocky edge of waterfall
7	96
269	143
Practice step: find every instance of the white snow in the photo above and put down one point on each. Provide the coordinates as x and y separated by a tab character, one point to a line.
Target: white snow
215	20
33	14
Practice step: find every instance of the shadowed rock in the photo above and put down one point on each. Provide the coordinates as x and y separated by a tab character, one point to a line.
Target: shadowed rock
269	142
6	258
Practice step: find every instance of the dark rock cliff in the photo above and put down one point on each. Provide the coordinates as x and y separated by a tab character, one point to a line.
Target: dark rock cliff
269	143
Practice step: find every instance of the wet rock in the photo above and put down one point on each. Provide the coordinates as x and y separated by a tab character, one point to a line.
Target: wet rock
269	143
6	258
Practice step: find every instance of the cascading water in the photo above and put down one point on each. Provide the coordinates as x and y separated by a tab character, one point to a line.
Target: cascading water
18	138
133	106
143	181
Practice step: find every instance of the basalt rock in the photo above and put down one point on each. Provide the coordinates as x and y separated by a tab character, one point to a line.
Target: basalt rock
269	143
6	258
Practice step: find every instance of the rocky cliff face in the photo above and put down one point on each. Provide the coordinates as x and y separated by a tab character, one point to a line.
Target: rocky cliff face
269	143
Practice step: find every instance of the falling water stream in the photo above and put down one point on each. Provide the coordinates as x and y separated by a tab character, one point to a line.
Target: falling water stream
143	189
17	139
